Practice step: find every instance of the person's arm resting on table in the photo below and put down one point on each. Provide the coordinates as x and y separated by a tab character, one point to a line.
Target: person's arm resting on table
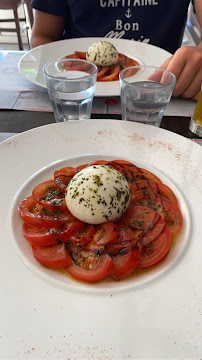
186	64
47	28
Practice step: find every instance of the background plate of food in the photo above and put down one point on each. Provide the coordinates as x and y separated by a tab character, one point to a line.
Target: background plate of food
31	64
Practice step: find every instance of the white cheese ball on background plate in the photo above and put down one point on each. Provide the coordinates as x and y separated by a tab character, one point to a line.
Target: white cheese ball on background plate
102	53
98	194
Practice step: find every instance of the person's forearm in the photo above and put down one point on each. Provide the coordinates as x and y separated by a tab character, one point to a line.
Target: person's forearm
200	46
39	40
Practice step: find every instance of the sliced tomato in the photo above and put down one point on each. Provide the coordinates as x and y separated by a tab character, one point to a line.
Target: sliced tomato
34	213
144	189
101	269
74	64
152	204
80	167
83	257
48	194
137	196
83	236
147	175
132	62
125	62
155	251
73	226
78	66
126	164
113	73
81	54
172	216
168	210
124	264
130	174
149	187
125	239
97	162
55	218
63	176
42	235
133	187
139	217
122	60
166	192
53	256
127	169
71	56
48	236
102	73
107	73
115	166
135	173
150	235
30	212
137	237
105	233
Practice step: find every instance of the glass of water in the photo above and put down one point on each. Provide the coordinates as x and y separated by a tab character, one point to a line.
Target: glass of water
71	88
145	93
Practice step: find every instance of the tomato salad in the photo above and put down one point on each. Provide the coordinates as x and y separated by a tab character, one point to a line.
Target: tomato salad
139	239
105	73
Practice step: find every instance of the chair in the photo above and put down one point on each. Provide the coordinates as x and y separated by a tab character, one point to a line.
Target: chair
13	5
27	5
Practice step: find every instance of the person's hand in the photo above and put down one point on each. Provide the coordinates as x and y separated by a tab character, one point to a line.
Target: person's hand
186	64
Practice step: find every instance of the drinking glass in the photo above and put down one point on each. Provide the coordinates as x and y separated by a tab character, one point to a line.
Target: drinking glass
195	124
71	88
145	93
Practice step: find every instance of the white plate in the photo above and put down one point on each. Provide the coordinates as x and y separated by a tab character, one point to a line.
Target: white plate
56	278
32	62
61	318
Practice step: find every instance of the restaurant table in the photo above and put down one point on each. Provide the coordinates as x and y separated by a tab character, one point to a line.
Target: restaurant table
42	321
17	119
12	121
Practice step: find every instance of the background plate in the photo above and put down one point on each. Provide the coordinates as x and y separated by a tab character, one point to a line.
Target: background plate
160	319
32	62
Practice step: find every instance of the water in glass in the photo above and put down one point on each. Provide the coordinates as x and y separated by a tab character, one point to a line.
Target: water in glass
71	100
145	103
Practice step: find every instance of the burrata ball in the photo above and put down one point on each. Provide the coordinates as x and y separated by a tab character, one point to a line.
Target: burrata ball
102	53
98	194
